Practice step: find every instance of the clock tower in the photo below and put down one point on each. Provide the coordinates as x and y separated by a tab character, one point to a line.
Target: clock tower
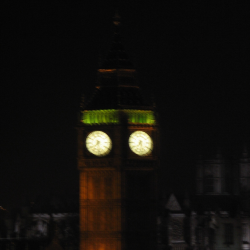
118	159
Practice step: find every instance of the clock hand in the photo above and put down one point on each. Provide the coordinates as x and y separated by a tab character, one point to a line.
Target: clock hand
97	144
140	144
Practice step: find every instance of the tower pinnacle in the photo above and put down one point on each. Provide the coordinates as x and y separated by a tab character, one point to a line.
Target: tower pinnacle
117	58
117	19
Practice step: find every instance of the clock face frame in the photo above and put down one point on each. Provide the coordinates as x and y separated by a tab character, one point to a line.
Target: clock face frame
140	143
98	143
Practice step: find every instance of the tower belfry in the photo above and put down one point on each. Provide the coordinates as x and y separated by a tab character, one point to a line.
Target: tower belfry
118	149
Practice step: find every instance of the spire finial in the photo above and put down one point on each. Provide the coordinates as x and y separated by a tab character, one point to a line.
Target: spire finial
117	19
117	58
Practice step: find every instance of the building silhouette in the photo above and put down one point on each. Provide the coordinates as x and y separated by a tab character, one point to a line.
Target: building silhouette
118	162
118	159
217	214
41	223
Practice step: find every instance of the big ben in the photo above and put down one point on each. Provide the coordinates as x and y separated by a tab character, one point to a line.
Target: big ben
118	160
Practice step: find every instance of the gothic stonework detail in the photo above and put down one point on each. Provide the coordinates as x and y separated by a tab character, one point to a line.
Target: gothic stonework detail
103	173
176	229
100	234
96	163
108	202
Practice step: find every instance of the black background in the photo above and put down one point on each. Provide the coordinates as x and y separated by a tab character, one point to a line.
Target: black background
193	57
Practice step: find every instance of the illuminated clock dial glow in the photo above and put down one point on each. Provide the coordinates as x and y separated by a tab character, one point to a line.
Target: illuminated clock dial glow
140	143
98	143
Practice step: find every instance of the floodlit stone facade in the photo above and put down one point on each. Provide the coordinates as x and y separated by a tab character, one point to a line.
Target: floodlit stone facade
217	216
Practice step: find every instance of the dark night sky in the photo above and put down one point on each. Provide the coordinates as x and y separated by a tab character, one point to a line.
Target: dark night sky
193	57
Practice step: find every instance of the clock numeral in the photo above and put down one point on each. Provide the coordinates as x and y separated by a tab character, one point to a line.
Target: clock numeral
140	143
98	143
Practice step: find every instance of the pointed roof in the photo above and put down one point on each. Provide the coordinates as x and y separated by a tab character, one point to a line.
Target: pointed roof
173	204
117	82
117	58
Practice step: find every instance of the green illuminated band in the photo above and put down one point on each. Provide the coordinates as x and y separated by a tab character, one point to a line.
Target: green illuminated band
112	116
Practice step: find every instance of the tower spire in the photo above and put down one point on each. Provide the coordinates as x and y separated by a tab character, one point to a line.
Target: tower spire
117	58
117	83
117	19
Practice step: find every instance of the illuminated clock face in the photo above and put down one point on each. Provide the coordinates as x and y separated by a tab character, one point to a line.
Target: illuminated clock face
98	143
140	143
